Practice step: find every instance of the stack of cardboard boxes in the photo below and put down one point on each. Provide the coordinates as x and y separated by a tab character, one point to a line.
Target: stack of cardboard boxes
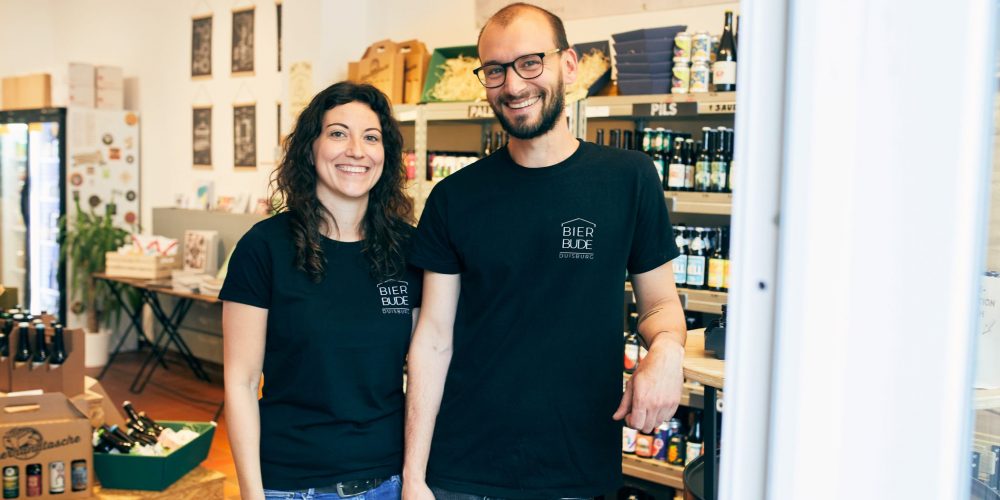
100	87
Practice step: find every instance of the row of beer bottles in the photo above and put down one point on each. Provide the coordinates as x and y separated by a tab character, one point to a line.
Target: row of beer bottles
703	262
682	164
38	354
704	167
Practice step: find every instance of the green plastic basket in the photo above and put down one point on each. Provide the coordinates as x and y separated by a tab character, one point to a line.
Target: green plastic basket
136	472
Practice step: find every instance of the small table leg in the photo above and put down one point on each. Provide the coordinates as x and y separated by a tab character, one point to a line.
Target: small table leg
709	417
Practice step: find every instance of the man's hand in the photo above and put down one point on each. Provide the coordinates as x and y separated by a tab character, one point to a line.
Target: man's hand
416	490
654	391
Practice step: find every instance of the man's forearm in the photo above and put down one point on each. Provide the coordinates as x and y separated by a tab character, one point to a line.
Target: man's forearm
663	322
427	367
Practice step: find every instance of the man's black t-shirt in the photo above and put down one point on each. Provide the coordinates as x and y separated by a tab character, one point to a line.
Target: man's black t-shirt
535	373
332	406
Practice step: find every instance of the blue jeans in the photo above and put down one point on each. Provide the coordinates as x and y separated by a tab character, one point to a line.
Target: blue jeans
389	490
442	494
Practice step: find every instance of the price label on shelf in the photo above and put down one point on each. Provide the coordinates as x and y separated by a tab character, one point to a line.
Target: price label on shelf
480	110
665	109
716	108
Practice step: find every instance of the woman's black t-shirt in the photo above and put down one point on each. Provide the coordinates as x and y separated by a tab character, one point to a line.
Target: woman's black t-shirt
332	405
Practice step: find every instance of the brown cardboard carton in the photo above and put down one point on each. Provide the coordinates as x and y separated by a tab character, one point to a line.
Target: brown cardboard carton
110	409
415	60
47	431
27	92
382	67
67	379
90	404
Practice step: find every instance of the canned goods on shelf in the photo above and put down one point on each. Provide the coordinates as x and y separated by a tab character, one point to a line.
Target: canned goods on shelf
701	47
682	46
700	77
681	80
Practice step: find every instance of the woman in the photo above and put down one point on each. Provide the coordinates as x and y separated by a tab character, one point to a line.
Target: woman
319	299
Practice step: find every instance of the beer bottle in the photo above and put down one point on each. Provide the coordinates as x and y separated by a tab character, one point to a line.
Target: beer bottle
41	351
697	260
632	344
689	161
5	332
720	164
656	154
725	279
58	356
23	354
141	418
724	67
627	143
717	264
677	169
487	144
647	141
703	165
106	435
694	443
599	139
615	138
730	148
681	262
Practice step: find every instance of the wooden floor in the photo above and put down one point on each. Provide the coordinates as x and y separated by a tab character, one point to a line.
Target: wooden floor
176	394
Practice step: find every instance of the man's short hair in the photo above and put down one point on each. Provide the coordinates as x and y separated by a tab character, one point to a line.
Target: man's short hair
506	15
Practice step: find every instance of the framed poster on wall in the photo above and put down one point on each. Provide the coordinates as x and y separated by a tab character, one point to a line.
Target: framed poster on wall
245	135
201	47
243	42
201	136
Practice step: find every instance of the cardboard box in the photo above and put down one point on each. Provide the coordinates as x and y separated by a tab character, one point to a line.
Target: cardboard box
140	266
110	410
136	472
382	66
82	96
199	484
82	75
27	92
109	77
415	60
67	378
109	98
49	432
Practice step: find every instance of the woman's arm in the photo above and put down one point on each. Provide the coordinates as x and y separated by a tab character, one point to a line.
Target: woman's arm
244	329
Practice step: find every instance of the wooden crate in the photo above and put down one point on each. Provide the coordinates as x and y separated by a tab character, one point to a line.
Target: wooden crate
140	266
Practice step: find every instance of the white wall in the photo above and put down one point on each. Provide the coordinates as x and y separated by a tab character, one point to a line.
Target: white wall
151	40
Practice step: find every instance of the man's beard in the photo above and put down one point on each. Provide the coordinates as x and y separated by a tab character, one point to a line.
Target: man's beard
551	111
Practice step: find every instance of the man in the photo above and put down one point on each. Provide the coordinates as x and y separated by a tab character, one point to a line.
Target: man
515	364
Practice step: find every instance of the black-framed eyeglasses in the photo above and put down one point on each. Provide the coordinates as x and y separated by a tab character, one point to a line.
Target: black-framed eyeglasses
527	67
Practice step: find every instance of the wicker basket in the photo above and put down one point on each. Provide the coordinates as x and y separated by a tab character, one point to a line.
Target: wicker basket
140	266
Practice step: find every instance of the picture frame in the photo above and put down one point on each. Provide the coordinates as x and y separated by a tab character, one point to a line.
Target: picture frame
278	12
201	47
245	135
243	42
201	136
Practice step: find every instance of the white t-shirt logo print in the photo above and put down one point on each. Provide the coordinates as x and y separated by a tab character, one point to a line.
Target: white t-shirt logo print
394	297
577	239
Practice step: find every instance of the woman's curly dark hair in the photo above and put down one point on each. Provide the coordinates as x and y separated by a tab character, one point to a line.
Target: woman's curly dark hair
389	211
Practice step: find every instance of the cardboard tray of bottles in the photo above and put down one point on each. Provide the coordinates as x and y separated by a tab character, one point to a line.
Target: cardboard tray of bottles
67	378
136	472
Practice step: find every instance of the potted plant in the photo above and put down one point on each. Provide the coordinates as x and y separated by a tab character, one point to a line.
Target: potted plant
83	247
